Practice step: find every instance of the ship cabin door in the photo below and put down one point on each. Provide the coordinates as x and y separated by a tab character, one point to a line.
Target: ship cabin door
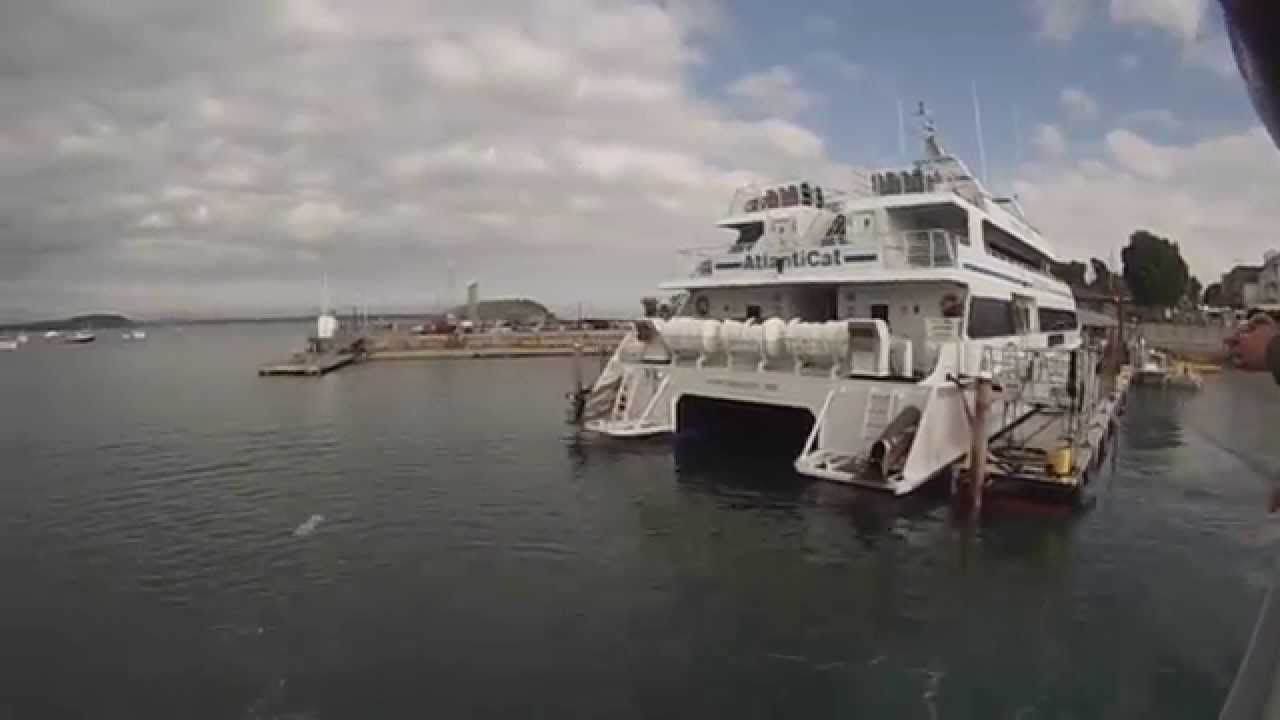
1024	309
812	303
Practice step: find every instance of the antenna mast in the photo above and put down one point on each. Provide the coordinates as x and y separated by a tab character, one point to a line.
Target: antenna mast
977	121
902	133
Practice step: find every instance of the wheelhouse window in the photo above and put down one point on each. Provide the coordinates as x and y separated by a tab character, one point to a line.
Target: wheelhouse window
989	317
1055	320
748	234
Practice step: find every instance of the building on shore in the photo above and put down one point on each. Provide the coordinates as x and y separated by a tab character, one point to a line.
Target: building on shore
1240	286
1268	287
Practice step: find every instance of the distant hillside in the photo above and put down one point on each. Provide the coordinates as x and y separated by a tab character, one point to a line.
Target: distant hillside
517	310
95	321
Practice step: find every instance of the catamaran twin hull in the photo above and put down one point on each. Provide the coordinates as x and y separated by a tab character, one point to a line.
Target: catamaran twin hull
867	426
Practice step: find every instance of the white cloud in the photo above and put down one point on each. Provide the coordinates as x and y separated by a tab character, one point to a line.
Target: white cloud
155	221
309	17
1155	118
777	91
200	214
1078	105
1059	19
1130	62
1140	156
1180	18
313	219
1212	53
273	140
1049	141
1215	197
839	64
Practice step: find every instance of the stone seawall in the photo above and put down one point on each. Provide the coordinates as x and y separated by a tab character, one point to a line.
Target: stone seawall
1194	342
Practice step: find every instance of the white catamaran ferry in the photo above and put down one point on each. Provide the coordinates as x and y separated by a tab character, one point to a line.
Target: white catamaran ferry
858	315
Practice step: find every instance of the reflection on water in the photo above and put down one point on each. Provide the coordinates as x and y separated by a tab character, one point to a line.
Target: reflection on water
182	538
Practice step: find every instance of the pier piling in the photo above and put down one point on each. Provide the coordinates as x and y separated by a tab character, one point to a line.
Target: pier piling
978	446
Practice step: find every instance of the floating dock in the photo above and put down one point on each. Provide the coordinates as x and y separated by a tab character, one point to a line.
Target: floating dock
310	364
1052	453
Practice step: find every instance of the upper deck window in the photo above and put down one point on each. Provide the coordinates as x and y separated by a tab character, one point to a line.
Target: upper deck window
1013	249
790	196
786	196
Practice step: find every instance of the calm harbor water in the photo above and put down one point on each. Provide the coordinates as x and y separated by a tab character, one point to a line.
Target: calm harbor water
182	539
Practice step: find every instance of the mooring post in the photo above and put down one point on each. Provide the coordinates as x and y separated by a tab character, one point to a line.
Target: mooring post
978	433
578	396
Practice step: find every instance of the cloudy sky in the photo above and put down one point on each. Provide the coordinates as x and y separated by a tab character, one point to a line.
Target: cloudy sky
169	157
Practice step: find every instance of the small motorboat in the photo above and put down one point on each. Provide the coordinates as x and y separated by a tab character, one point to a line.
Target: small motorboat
1153	370
22	338
80	337
8	343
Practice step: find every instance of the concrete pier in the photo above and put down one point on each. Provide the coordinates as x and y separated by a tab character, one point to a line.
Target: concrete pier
392	345
404	346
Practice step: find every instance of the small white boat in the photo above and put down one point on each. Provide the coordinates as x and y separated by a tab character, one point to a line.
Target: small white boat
7	343
22	338
52	335
80	337
1154	369
139	334
1158	368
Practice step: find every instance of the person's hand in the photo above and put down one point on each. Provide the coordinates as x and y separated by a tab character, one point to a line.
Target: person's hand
1251	343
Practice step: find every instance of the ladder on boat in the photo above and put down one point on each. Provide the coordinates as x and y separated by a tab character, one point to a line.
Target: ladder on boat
638	407
825	456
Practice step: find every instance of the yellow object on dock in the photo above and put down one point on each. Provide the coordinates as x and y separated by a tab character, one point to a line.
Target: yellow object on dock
1060	461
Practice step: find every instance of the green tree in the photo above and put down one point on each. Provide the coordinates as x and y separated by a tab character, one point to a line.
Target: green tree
1071	273
1154	270
1213	295
1194	290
